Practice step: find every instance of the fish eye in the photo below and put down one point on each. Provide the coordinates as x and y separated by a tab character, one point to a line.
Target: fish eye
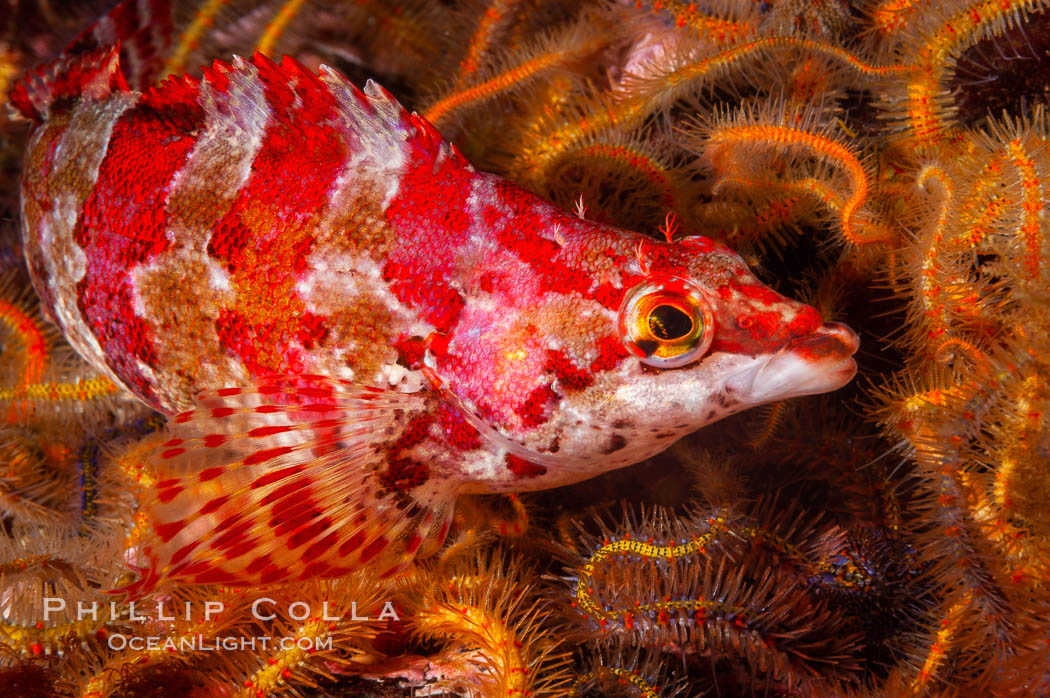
666	323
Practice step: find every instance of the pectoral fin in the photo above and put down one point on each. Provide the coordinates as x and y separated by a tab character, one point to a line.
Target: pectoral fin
278	482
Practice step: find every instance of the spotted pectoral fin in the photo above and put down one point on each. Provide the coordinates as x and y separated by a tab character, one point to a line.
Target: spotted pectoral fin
282	481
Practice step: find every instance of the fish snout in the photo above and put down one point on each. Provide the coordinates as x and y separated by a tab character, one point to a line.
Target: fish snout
830	341
830	351
818	362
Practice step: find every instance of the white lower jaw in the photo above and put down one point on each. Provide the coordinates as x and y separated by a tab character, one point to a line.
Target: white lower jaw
784	375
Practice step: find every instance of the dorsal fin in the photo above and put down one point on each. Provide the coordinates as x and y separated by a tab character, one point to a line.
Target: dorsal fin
142	28
94	74
381	122
122	50
379	130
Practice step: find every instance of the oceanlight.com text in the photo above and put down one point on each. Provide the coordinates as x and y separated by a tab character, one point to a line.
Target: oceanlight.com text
200	643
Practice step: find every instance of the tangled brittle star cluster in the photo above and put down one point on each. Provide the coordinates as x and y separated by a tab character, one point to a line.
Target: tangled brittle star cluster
886	158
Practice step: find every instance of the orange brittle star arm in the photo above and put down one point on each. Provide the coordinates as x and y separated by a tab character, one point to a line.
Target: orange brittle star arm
821	146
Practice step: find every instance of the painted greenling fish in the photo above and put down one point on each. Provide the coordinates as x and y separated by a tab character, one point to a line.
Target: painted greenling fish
347	325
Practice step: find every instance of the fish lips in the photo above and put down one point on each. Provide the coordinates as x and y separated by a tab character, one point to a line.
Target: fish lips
815	363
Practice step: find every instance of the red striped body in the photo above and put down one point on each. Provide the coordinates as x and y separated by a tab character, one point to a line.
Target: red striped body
202	235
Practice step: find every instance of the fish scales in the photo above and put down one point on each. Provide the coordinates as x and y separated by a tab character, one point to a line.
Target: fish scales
348	325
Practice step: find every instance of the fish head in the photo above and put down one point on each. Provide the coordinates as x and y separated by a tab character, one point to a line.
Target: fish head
700	322
630	343
704	338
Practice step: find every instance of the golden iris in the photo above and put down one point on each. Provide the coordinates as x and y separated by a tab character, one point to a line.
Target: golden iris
666	323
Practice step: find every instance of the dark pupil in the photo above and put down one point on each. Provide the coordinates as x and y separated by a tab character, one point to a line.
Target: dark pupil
668	322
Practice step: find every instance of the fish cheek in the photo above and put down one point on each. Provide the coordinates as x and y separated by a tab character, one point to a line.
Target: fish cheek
616	443
722	405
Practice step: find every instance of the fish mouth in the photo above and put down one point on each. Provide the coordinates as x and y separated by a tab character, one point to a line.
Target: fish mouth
815	363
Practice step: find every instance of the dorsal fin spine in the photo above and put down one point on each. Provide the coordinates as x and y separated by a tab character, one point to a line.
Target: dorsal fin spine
92	65
95	74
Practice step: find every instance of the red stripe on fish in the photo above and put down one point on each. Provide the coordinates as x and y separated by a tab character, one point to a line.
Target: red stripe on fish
265	238
122	227
421	268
